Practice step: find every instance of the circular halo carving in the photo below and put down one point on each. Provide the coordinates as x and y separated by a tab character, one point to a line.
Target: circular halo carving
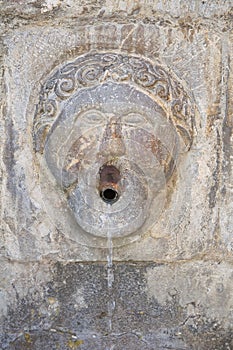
108	131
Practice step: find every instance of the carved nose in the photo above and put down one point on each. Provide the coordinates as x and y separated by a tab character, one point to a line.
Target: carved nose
112	142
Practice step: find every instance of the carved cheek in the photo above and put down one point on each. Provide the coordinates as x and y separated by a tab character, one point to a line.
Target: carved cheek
147	140
79	155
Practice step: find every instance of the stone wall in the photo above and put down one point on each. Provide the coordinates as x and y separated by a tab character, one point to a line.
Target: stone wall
169	286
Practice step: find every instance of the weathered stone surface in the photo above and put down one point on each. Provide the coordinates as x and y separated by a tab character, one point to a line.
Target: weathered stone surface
156	306
193	206
170	288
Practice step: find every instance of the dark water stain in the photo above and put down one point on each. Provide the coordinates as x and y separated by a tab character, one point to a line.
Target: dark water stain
227	153
227	131
216	174
9	156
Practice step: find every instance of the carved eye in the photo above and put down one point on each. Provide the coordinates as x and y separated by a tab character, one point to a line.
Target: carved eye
134	119
92	118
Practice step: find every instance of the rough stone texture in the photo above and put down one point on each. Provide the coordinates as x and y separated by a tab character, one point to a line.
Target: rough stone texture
158	306
172	288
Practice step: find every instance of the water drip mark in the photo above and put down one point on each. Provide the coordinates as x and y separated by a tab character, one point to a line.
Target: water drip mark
110	280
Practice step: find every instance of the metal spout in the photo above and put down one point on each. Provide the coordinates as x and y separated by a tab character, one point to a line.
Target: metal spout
109	187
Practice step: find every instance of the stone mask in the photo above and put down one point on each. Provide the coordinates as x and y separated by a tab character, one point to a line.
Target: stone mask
107	131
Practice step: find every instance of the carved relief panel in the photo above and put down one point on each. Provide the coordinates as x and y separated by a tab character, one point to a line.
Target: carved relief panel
108	132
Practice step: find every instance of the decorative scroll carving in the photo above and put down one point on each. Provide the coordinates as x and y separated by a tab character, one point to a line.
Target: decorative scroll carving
94	69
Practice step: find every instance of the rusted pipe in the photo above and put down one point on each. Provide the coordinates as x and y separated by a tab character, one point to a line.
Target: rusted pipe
109	187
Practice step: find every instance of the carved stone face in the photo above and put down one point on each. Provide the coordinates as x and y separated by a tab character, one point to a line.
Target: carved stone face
109	129
112	140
